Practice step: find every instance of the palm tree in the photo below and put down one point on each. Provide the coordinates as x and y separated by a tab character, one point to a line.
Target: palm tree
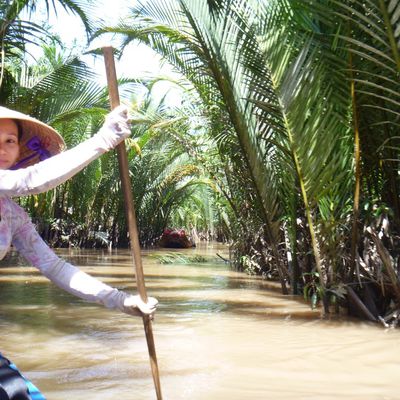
240	66
288	92
16	32
77	112
198	43
369	33
288	86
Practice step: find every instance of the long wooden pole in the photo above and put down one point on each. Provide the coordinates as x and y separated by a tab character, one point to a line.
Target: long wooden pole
131	217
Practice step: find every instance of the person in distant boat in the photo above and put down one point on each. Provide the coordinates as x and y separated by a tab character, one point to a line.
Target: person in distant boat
32	161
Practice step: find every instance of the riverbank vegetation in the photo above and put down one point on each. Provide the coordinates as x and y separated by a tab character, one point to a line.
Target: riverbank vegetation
285	145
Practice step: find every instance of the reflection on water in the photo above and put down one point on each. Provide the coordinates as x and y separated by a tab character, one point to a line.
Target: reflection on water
219	335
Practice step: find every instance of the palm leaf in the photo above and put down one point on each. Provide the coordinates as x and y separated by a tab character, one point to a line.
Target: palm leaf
205	48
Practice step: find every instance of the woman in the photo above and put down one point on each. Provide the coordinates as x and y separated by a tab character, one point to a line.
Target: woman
24	141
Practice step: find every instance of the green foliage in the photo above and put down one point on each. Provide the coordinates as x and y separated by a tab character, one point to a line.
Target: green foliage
179	258
286	140
162	174
250	265
289	89
312	290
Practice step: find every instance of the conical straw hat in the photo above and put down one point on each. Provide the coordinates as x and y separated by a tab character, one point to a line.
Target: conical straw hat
39	140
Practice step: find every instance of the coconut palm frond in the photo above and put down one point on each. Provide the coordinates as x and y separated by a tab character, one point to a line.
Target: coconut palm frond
69	81
301	119
206	48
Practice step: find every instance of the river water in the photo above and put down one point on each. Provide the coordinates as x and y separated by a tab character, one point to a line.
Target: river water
219	334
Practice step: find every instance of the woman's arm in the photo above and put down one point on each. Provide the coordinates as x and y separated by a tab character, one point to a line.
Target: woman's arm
50	173
68	277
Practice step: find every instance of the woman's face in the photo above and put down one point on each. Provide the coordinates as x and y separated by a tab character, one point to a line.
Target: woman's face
9	144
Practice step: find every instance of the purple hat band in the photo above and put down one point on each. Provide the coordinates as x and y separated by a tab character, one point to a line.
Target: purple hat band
36	145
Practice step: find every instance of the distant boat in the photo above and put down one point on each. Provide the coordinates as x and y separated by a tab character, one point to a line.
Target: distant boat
175	238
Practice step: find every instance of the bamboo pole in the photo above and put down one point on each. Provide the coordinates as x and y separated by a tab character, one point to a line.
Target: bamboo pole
131	217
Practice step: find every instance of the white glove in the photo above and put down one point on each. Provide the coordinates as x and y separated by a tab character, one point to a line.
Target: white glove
116	127
134	305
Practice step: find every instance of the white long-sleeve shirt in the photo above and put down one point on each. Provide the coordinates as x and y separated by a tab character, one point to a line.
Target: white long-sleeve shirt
17	229
51	172
55	170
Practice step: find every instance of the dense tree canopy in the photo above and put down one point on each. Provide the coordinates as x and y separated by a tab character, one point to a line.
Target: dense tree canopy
285	142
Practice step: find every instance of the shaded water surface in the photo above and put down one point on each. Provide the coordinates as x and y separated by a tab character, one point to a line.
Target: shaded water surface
219	335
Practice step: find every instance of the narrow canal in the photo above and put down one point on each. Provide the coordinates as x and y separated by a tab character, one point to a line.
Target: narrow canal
219	335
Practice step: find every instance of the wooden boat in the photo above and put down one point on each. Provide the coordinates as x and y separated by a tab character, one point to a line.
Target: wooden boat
175	238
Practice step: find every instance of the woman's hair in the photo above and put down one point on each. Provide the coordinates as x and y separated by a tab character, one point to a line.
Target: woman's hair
19	127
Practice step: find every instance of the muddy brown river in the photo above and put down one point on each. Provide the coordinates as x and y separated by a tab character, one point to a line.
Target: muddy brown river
219	334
